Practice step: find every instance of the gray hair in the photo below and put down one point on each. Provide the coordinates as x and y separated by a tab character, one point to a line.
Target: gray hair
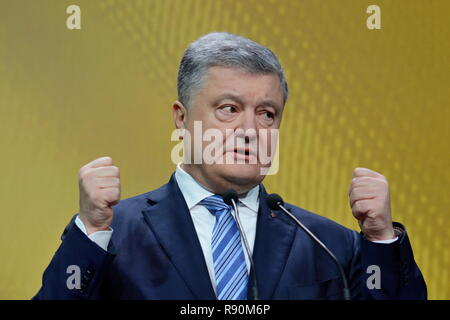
225	50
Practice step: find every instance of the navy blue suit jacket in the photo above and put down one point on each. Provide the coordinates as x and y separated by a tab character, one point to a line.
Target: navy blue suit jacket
154	253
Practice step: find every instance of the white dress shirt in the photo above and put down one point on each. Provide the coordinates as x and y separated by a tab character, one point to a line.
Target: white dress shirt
203	220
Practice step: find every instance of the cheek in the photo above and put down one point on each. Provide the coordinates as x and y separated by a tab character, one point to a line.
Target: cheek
267	139
229	139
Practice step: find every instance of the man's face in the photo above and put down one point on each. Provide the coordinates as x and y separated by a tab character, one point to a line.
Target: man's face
234	102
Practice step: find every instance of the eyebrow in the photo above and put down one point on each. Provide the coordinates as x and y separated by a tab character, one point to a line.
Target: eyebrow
238	99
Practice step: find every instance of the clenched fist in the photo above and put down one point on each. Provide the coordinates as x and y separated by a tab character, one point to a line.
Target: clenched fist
99	183
370	203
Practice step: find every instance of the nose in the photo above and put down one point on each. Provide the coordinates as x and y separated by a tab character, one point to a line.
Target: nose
247	127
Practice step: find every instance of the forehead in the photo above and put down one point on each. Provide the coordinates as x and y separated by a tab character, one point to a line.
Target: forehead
222	81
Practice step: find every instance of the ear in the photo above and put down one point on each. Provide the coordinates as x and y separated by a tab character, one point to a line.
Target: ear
179	113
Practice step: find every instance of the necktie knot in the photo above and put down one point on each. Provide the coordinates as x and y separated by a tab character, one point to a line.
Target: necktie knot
216	205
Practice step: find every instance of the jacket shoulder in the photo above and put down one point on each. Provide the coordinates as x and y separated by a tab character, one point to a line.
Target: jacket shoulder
131	208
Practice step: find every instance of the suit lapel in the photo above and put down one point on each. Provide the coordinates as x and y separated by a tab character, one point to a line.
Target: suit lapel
170	220
274	238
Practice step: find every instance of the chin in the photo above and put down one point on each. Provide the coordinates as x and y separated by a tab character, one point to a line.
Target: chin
241	174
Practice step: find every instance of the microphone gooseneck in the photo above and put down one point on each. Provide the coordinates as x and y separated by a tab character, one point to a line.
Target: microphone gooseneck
230	197
275	202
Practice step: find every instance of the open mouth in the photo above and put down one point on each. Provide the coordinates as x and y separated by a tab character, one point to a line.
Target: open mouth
245	152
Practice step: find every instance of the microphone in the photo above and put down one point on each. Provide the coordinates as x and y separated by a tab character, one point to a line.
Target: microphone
275	202
230	197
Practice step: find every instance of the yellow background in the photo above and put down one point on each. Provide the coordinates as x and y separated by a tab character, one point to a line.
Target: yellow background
358	97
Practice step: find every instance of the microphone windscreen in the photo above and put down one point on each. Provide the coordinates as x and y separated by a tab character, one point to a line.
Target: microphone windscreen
228	195
274	200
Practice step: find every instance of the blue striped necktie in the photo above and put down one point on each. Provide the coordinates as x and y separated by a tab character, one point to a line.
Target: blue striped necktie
228	255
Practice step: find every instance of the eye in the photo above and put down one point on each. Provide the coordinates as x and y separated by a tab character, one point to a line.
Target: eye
267	115
228	108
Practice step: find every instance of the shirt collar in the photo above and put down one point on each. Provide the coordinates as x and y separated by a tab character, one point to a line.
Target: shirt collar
193	192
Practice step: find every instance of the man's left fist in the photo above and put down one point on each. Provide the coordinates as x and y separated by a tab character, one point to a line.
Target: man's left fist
370	203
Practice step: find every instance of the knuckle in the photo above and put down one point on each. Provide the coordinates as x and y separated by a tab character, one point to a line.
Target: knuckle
356	191
359	170
381	188
81	174
115	170
87	174
84	167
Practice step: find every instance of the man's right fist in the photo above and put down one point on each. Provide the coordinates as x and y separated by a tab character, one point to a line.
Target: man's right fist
99	183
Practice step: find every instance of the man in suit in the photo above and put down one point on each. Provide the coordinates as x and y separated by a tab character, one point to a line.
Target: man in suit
182	241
